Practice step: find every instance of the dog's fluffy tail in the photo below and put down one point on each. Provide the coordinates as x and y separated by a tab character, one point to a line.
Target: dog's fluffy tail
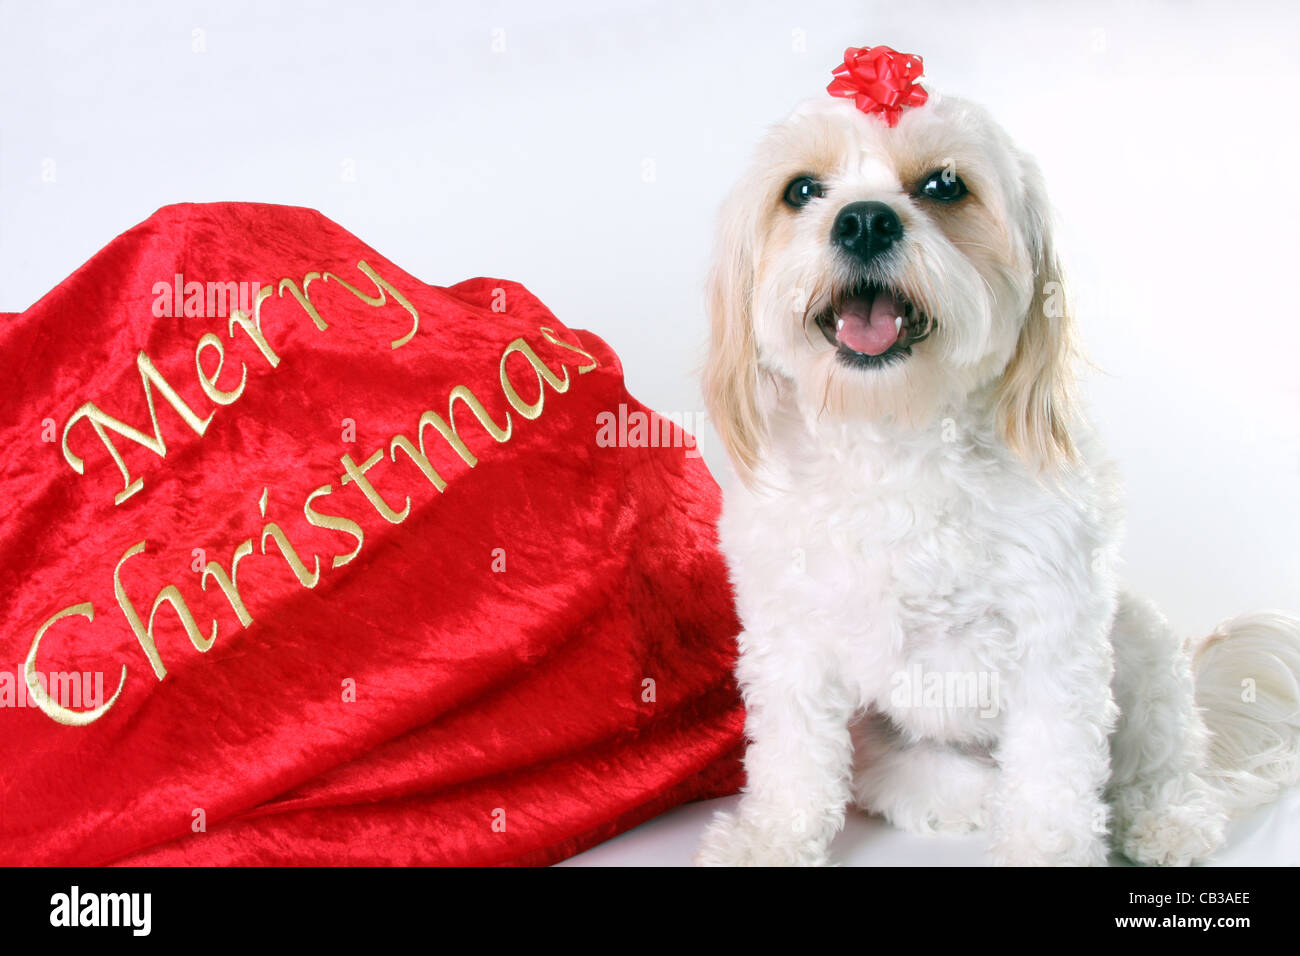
1248	689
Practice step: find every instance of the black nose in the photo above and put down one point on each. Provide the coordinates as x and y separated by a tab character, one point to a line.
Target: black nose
866	229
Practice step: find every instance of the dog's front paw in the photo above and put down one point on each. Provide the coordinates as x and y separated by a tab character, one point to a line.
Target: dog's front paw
1020	850
724	843
1065	840
735	840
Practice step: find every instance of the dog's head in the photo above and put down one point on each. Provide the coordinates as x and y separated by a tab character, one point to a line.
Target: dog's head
888	274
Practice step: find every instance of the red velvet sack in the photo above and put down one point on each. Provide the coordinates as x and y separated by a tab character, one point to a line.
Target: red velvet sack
308	562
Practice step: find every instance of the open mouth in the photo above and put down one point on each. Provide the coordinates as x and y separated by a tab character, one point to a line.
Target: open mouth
873	325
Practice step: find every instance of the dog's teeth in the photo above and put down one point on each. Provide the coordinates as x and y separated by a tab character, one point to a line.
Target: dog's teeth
898	323
839	325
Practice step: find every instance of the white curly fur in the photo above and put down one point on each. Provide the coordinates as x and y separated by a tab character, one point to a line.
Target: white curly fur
948	524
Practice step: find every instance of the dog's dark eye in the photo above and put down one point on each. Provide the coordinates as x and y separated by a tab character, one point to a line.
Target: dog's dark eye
802	191
943	185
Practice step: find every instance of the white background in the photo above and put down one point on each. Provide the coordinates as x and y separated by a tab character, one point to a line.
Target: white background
582	147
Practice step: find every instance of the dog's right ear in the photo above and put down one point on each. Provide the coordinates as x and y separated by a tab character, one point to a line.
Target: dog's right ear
730	378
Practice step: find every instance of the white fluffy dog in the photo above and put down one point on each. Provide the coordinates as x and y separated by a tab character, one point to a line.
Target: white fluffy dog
924	537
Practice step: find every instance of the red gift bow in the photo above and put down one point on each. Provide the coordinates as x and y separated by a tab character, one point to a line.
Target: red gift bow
880	80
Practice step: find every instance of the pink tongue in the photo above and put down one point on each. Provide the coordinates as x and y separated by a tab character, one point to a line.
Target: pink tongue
869	325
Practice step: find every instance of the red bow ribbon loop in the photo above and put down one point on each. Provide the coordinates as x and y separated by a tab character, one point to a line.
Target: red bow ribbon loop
879	80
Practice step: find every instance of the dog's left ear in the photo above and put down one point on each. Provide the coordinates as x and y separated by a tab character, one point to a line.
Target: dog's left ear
1035	399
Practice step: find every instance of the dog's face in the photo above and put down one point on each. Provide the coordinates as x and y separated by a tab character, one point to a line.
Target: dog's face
865	272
